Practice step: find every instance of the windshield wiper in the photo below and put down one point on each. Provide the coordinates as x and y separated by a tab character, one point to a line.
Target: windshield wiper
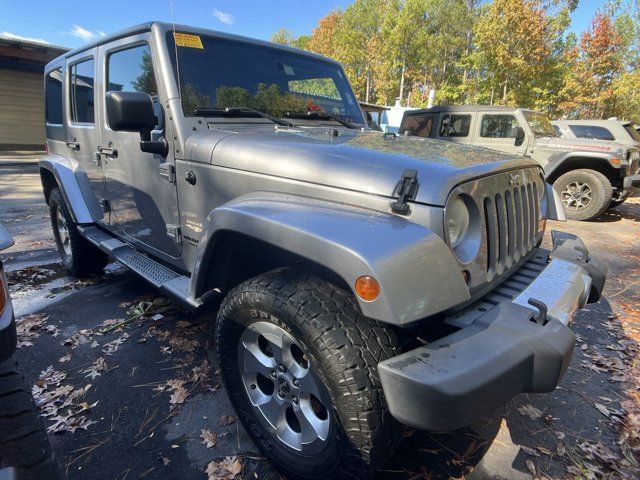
240	112
320	116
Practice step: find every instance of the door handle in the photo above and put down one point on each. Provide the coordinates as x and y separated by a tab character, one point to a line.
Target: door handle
109	152
72	144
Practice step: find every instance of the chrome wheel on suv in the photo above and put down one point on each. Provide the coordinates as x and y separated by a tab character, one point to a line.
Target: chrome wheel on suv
282	388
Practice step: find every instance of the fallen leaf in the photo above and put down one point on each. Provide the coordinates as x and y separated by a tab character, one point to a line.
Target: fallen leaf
529	411
209	438
225	469
226	420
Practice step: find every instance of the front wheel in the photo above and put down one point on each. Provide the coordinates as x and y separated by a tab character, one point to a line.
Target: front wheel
299	363
585	194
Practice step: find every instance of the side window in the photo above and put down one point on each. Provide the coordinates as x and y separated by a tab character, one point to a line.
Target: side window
53	97
497	126
455	125
591	131
82	91
557	129
419	125
131	70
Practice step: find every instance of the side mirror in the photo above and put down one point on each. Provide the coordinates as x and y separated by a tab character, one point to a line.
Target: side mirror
518	134
134	112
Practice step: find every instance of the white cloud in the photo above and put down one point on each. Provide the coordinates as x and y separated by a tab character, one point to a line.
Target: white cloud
84	34
223	17
13	36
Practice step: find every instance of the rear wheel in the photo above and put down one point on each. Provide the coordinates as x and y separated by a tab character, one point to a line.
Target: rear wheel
585	194
24	446
300	365
78	256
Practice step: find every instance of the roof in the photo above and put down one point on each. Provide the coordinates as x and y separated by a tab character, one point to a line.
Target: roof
29	50
595	122
372	107
462	108
146	27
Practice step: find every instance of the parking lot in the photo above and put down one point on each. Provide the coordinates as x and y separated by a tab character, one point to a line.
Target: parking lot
130	386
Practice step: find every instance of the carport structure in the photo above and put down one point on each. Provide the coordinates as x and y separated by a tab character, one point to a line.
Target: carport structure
21	92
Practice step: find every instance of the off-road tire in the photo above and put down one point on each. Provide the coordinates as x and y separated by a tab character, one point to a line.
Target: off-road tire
84	258
601	193
24	446
345	349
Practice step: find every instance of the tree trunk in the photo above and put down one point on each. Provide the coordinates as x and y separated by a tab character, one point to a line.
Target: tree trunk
504	91
402	81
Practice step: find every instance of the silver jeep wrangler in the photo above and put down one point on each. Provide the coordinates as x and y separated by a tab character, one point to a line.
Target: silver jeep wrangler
362	281
590	175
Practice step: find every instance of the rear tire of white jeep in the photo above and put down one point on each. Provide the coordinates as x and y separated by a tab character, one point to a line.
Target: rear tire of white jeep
585	194
79	257
299	362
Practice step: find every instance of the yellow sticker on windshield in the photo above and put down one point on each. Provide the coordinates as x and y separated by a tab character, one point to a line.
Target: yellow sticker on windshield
188	40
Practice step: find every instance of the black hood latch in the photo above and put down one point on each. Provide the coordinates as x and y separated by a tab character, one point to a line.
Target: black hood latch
406	189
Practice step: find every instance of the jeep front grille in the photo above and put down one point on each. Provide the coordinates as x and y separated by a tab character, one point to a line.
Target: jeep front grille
511	226
508	205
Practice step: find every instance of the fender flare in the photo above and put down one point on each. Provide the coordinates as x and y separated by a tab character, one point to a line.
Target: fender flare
418	274
556	161
70	186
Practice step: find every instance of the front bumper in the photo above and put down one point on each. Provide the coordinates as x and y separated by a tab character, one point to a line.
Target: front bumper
522	344
631	185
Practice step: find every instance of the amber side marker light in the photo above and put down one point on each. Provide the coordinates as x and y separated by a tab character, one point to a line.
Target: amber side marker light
367	288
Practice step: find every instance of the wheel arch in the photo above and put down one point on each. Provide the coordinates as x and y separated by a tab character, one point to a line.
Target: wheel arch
56	171
339	243
560	166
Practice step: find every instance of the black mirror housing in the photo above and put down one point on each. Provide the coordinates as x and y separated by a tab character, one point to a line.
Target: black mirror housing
518	134
130	112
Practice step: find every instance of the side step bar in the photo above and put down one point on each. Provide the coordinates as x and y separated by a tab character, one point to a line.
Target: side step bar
166	280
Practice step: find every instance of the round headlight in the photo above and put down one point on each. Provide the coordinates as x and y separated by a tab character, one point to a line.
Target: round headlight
457	220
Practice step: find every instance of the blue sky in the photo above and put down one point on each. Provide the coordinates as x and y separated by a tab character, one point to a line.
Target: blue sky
72	23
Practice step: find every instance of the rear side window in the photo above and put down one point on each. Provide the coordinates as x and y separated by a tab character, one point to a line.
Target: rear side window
419	125
82	91
557	129
497	126
53	96
455	125
591	131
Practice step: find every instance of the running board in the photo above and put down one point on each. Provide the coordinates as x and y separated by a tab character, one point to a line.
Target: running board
166	280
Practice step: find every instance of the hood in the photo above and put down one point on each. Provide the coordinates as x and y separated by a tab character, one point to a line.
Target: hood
363	161
581	144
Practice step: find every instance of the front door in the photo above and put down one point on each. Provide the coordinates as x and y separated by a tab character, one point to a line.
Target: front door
496	131
82	134
144	202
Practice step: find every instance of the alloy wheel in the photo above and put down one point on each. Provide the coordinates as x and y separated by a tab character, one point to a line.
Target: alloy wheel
282	388
63	232
576	195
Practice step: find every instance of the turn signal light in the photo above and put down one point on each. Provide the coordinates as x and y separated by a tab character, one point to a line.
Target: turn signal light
367	288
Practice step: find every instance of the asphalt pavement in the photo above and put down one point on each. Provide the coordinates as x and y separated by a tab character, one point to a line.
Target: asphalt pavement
152	388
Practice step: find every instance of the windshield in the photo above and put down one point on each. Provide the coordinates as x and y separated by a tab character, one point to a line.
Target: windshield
633	133
539	123
217	73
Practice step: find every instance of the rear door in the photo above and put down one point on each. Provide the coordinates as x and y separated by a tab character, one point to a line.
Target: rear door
82	134
144	202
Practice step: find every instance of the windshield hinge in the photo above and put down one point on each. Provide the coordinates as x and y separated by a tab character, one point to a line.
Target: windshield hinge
406	189
168	172
174	232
